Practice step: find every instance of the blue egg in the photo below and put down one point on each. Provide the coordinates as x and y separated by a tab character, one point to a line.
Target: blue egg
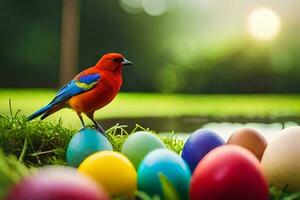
198	145
171	166
84	143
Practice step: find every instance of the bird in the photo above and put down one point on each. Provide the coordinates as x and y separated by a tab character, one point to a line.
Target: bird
90	90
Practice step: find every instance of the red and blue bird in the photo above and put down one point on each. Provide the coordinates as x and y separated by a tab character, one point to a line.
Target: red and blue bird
90	90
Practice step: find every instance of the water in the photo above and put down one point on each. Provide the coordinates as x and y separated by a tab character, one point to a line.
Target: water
183	126
225	129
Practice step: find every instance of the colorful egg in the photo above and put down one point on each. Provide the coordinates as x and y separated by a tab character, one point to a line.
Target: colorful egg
249	139
59	183
229	172
84	143
280	161
112	170
198	145
139	144
171	166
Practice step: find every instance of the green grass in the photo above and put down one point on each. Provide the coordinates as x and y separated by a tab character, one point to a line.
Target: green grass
145	105
39	143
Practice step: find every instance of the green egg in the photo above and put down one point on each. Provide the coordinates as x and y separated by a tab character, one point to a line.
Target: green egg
139	144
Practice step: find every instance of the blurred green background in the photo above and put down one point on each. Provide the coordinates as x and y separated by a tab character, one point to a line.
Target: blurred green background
190	46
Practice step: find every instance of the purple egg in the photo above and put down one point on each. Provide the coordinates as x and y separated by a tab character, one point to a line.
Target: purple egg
198	145
59	183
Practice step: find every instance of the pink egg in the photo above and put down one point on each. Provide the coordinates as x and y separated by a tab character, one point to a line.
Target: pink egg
59	183
229	172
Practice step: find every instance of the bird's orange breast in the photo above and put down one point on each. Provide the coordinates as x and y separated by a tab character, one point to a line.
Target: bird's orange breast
99	96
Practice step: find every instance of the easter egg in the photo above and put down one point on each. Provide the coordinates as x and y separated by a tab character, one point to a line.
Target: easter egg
171	166
84	143
139	144
280	161
112	170
59	183
229	172
198	145
249	139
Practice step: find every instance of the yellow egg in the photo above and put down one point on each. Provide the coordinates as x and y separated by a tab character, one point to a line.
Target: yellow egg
113	171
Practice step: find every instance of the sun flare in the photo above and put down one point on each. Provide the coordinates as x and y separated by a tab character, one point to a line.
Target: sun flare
264	24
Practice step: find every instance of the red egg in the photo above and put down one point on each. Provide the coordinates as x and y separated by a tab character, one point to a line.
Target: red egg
229	172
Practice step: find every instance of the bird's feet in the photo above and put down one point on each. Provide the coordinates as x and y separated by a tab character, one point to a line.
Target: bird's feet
83	128
100	129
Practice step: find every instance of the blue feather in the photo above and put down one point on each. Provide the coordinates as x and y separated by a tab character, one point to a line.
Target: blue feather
39	112
89	79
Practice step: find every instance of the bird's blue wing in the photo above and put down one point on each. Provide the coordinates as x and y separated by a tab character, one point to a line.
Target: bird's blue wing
75	87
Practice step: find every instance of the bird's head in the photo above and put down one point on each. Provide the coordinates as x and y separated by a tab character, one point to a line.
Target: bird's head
112	62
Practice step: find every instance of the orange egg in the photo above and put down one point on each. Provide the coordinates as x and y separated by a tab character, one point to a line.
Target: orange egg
249	139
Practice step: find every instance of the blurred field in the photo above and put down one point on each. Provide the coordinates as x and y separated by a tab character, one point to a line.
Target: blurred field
145	105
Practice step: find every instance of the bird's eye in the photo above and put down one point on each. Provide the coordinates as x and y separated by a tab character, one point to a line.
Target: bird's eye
118	60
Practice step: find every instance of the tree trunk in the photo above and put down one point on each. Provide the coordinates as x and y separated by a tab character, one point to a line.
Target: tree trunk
69	40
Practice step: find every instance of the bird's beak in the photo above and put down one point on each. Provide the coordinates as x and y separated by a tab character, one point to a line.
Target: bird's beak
126	62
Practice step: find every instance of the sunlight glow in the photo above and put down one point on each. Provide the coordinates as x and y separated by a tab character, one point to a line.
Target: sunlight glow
264	23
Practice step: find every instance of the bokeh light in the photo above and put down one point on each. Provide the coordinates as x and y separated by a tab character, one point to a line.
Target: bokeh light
154	7
264	23
132	6
151	7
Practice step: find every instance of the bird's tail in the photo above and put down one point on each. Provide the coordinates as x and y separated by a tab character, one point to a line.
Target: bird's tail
39	112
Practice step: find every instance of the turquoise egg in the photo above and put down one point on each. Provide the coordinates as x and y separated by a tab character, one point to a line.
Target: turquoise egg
84	143
171	166
139	144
